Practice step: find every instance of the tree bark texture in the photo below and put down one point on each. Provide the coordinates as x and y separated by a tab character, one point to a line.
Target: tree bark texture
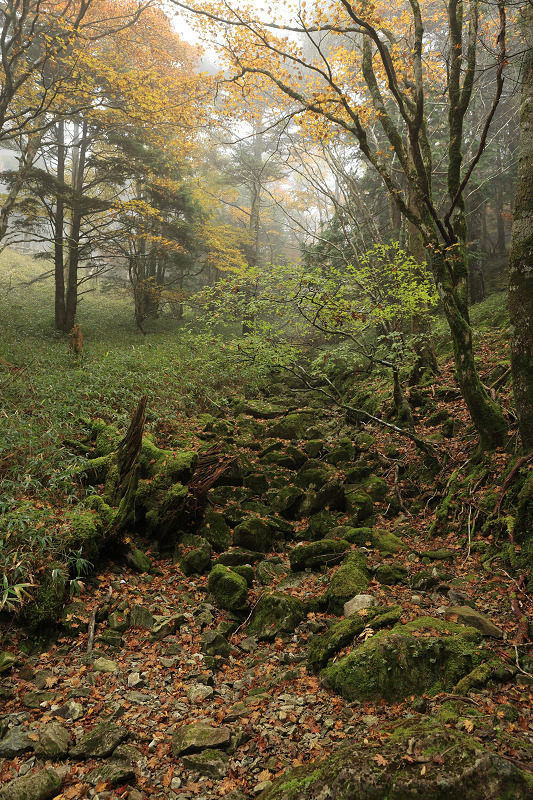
521	255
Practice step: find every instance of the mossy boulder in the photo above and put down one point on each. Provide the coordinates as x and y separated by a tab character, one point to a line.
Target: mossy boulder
253	534
425	656
216	531
454	765
194	555
376	487
238	555
269	571
40	785
275	615
314	475
343	451
316	555
391	574
137	560
290	457
46	608
246	571
358	503
229	589
386	542
331	495
292	426
322	648
287	500
350	579
319	525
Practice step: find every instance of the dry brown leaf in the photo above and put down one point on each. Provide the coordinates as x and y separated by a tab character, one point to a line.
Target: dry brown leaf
379	759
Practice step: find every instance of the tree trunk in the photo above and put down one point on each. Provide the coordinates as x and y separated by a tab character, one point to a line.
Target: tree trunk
59	222
485	413
521	255
75	229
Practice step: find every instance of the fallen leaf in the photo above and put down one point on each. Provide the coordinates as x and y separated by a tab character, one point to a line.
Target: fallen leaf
381	760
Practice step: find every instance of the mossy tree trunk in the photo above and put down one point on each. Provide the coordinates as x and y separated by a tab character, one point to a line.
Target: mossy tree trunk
521	254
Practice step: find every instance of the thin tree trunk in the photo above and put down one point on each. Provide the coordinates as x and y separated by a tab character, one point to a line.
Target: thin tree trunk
59	222
521	255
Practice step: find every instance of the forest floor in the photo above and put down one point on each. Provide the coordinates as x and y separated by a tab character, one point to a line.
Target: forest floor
279	715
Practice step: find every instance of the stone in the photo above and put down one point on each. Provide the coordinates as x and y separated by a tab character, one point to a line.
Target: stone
358	503
197	559
424	656
70	711
322	648
351	578
35	699
326	552
253	534
214	644
100	742
54	742
237	556
287	500
343	451
275	614
211	763
390	574
163	626
198	736
39	785
376	487
469	616
141	617
268	571
15	743
112	774
454	765
229	589
359	602
118	621
197	693
7	660
293	426
104	665
216	531
138	561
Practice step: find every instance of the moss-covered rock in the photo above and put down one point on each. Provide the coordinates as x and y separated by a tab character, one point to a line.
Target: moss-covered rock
246	571
229	589
40	785
290	458
269	571
324	553
275	615
137	560
423	656
376	487
454	765
386	542
194	555
238	555
322	648
343	451
351	578
358	503
253	534
46	608
293	426
314	475
287	500
216	531
391	574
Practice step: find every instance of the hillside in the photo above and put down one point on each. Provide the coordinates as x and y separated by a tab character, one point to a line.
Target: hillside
206	646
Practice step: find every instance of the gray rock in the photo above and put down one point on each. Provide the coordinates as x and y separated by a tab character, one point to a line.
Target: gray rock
197	693
34	699
38	786
114	774
359	602
138	561
469	616
54	742
141	617
197	737
15	743
70	711
6	661
104	665
163	626
214	644
100	742
212	763
275	614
